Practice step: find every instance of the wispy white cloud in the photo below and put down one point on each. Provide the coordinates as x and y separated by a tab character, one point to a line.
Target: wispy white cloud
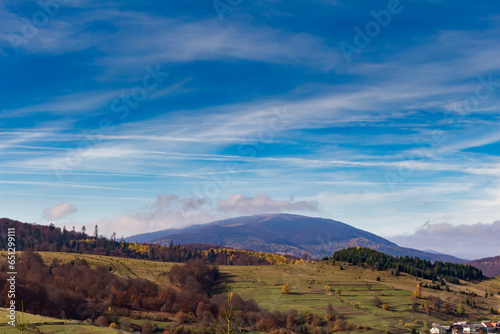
344	126
263	203
62	185
67	104
449	59
173	211
134	42
168	211
209	40
59	211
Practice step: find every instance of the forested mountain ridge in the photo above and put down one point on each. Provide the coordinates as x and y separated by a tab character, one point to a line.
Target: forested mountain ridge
287	233
48	238
239	240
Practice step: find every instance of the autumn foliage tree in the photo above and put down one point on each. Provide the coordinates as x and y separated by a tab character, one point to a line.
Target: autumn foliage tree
461	309
330	312
418	292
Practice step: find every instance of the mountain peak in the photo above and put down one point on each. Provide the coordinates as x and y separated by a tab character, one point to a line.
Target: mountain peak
286	233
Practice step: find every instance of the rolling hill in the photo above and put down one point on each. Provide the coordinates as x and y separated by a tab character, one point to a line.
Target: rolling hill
285	233
490	265
313	287
309	281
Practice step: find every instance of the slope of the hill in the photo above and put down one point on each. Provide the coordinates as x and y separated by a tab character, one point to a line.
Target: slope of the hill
147	237
490	265
356	293
293	234
45	238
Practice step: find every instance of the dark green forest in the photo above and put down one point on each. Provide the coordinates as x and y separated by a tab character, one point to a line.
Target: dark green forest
414	266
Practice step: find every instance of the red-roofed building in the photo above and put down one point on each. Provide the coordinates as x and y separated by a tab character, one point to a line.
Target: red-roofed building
489	326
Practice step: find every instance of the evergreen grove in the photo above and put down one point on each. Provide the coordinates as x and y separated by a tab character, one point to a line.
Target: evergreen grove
414	266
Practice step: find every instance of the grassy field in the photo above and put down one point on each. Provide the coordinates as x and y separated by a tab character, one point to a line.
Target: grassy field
153	271
46	325
308	294
358	285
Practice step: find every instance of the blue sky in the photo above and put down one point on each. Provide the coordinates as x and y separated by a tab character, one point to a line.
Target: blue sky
144	115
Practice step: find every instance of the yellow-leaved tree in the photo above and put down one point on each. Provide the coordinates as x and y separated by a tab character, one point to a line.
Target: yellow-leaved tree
418	291
461	309
286	289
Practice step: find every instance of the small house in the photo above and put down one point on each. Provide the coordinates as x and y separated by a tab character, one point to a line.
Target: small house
490	328
438	329
457	329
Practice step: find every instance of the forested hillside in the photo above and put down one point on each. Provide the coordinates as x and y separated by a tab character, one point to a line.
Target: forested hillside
53	239
490	265
410	265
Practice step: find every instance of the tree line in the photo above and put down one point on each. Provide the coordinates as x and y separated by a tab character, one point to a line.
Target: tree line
49	238
414	266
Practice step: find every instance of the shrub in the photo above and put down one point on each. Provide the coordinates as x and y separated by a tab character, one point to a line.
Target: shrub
125	325
330	312
386	307
377	302
286	289
340	325
102	321
182	317
147	328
